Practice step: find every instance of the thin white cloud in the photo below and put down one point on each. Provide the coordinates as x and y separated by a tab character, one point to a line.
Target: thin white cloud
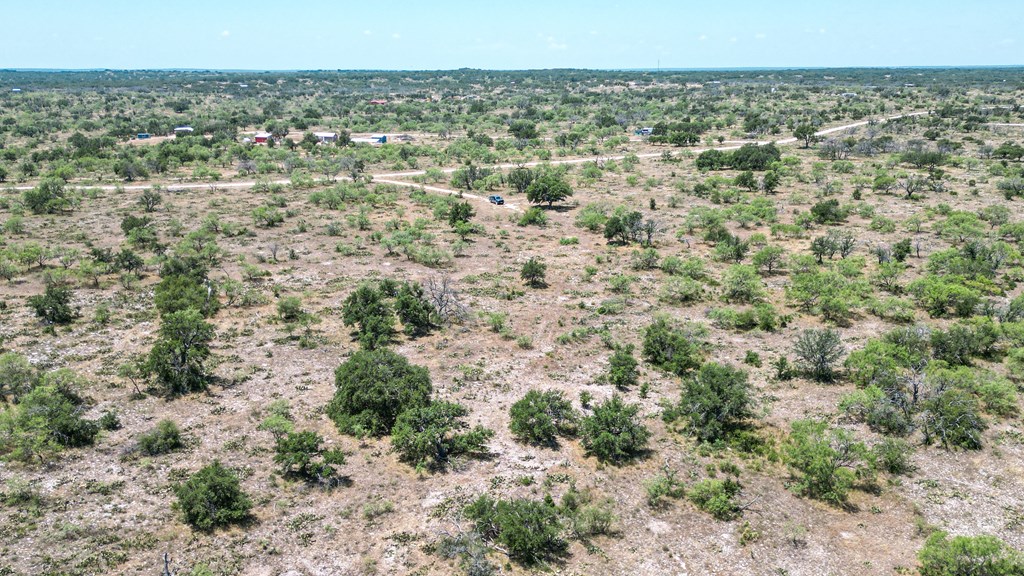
702	37
367	33
555	44
760	36
396	35
225	33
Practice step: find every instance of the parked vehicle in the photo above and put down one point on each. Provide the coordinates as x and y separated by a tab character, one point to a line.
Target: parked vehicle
496	200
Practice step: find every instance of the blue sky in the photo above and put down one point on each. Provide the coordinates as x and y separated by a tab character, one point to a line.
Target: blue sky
445	34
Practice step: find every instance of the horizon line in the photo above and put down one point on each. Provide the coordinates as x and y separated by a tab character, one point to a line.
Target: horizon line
639	69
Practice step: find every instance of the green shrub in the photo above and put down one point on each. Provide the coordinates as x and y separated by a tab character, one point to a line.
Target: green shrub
431	435
53	306
880	363
770	259
663	486
417	314
540	417
23	495
818	352
109	421
17	376
301	454
955	346
46	420
825	462
742	284
998	396
373	388
692	268
716	497
529	531
178	356
533	272
945	295
51	196
289	308
177	292
878	410
211	498
622	372
973	555
1014	363
828	212
681	291
646	259
761	316
952	419
163	439
716	399
670	348
592	217
585	519
893	455
612	433
533	216
370	313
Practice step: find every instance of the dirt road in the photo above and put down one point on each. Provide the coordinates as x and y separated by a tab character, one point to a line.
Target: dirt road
390	177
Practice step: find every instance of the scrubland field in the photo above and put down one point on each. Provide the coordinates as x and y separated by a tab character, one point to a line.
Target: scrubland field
723	323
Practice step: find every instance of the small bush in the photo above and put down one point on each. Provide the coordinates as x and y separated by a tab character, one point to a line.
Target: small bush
289	308
18	377
742	284
893	455
974	555
612	433
46	420
878	410
540	417
300	454
177	358
533	273
212	497
431	435
952	420
681	291
417	314
716	497
714	400
373	388
529	531
670	348
622	365
819	351
663	486
533	216
54	305
373	317
825	462
163	439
